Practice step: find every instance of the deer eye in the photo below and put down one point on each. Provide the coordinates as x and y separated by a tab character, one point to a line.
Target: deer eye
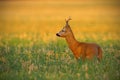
63	30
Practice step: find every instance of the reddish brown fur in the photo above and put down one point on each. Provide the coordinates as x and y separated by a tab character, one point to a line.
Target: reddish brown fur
80	49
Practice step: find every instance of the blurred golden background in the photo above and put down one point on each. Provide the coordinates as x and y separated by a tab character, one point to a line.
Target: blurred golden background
46	17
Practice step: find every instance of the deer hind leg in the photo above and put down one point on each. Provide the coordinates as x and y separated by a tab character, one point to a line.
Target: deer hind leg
99	54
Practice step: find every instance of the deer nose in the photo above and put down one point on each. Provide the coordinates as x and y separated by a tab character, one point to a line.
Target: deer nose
57	34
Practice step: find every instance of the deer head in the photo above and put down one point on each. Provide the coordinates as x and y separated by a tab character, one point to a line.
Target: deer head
66	29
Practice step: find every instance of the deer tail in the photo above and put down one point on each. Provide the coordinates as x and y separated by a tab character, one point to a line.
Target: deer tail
99	54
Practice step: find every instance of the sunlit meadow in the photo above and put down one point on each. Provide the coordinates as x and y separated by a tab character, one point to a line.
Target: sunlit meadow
30	50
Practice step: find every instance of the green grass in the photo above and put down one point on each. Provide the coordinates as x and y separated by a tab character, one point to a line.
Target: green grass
21	60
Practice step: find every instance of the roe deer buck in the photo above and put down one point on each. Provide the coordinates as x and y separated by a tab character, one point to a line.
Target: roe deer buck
80	49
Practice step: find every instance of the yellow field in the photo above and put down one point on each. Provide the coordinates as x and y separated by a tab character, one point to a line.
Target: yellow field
47	17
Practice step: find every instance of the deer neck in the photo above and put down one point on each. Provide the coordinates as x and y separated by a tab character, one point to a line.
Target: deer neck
72	42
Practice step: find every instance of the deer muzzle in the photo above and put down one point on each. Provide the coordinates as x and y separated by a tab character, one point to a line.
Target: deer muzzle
57	35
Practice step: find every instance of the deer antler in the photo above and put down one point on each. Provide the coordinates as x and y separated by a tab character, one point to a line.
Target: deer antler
67	20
